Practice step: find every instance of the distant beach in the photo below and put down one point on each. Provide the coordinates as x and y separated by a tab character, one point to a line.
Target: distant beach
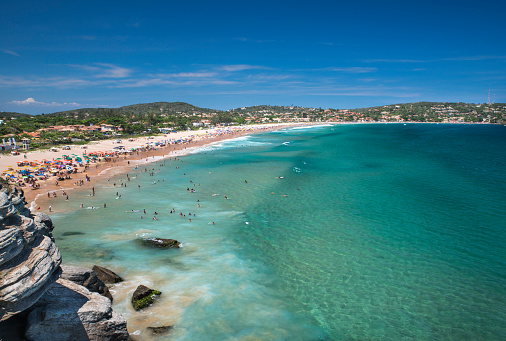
137	150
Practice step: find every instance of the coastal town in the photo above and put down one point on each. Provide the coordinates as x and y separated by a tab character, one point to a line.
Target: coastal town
82	125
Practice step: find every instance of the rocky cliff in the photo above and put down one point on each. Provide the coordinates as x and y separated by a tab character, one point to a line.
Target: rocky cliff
29	258
34	303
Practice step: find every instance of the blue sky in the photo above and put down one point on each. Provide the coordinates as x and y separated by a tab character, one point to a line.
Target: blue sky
60	55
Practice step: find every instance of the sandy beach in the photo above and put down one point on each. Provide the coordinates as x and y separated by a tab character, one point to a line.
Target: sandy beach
87	177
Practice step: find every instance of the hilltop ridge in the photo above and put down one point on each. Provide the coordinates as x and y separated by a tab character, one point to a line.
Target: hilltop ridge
99	123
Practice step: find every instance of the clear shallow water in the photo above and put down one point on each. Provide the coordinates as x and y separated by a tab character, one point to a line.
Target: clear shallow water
386	232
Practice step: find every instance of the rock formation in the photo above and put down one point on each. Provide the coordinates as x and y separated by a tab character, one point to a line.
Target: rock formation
143	297
87	278
68	311
106	275
33	300
29	258
159	242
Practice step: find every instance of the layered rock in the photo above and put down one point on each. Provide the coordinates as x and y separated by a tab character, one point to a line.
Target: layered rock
32	298
87	278
68	311
29	258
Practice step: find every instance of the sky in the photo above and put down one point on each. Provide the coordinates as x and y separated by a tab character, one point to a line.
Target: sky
63	55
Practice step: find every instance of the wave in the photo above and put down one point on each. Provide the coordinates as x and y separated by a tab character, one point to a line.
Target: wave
312	127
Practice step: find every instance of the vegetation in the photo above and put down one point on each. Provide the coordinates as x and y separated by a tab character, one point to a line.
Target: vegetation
87	124
145	301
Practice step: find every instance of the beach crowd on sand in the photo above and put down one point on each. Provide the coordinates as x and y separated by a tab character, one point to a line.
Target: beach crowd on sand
45	173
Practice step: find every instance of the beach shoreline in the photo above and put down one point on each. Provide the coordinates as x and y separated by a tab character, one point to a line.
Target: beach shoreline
39	200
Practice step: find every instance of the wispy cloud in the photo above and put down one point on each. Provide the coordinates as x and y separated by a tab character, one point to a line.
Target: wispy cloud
461	58
355	69
396	61
104	70
12	53
32	102
473	58
37	82
113	71
188	75
239	67
255	40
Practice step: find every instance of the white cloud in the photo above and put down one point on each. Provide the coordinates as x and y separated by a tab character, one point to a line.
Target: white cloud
188	75
10	52
104	70
113	71
31	101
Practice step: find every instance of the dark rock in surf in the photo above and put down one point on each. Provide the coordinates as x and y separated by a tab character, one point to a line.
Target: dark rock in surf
159	330
106	275
159	242
143	297
72	233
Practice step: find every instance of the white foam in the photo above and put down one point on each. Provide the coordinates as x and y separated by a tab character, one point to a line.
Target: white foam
312	127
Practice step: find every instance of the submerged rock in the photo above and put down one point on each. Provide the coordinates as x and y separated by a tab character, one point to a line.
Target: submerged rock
68	311
143	297
106	275
159	242
159	330
87	278
72	233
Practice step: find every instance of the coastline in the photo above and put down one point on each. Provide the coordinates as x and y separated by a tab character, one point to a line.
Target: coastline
39	199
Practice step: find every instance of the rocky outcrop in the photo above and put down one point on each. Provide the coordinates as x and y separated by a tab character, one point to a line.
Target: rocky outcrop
143	297
29	258
68	311
33	301
87	278
159	242
106	275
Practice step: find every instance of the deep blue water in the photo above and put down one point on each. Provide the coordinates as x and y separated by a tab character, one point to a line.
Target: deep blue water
350	232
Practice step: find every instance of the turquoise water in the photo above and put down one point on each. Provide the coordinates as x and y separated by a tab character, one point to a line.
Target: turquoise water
350	232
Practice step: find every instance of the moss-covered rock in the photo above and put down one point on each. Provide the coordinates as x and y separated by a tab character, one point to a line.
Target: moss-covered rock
159	242
143	297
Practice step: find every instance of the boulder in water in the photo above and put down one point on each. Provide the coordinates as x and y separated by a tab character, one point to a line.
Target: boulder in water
159	242
106	275
143	297
159	330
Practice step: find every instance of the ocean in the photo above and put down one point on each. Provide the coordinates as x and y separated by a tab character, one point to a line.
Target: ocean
333	232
